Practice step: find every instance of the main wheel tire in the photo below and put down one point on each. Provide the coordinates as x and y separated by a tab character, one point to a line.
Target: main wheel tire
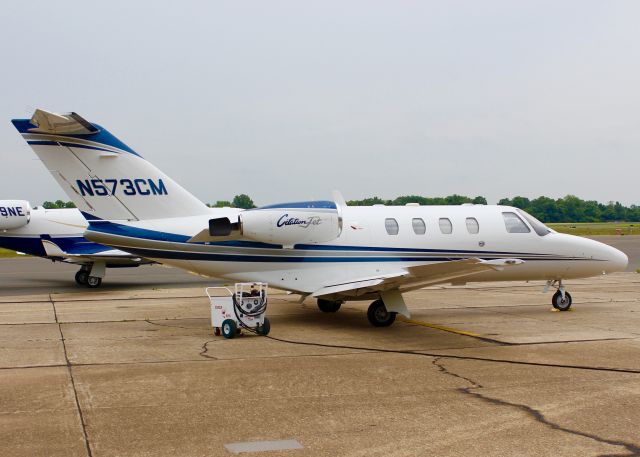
561	304
265	328
328	306
379	316
81	277
93	282
228	328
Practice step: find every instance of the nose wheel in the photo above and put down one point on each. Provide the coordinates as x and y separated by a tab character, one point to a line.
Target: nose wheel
561	303
561	300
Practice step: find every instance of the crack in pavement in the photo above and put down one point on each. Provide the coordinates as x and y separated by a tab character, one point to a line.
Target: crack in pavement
148	321
205	350
68	364
633	449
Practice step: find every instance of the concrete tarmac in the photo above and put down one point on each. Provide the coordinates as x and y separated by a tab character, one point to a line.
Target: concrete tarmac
32	275
484	369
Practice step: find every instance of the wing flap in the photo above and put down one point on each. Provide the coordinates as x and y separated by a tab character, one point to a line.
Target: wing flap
437	273
358	287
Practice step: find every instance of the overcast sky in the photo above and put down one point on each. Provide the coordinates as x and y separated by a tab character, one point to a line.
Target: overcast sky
288	100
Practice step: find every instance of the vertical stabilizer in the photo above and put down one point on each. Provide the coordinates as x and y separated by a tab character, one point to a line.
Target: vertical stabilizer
103	176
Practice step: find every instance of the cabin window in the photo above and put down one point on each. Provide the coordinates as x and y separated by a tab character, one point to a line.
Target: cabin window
419	227
514	224
391	225
472	225
445	225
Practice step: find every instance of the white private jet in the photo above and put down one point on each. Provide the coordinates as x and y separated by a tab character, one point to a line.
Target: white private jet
322	249
57	235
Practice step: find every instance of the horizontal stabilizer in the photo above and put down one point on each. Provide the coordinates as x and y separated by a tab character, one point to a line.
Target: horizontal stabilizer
79	253
60	124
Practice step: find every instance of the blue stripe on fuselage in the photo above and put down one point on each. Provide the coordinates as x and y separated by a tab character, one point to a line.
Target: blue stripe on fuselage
316	204
112	228
221	257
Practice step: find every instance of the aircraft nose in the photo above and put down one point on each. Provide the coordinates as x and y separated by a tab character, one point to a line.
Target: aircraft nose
616	260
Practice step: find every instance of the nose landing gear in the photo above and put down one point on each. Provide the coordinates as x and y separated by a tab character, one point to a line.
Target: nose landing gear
561	300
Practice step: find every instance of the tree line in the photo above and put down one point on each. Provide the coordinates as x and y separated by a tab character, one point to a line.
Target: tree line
565	209
574	209
403	200
58	204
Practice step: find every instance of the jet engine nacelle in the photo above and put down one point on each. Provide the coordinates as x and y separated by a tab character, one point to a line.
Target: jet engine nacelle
288	225
14	214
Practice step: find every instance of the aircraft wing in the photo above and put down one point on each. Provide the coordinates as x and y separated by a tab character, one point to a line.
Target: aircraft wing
415	277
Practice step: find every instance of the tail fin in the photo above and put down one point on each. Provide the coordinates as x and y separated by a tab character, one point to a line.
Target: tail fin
103	176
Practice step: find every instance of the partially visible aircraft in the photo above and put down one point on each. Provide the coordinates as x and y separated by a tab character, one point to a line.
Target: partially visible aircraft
322	249
57	235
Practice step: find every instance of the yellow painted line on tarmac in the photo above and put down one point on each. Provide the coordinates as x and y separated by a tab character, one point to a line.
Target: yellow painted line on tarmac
438	327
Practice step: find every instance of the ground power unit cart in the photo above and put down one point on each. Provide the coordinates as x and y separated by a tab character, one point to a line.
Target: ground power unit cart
244	308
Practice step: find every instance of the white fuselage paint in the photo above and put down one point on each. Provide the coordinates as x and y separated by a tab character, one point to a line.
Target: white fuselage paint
53	222
365	249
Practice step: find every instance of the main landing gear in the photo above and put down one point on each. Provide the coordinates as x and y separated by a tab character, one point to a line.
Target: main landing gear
377	313
561	300
379	316
328	306
84	278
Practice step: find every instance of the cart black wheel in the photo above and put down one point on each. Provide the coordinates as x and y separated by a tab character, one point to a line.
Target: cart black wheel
93	282
264	328
216	331
229	328
379	316
561	304
328	306
81	277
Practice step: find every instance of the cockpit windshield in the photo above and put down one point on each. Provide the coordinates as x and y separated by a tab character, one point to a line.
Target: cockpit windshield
538	226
